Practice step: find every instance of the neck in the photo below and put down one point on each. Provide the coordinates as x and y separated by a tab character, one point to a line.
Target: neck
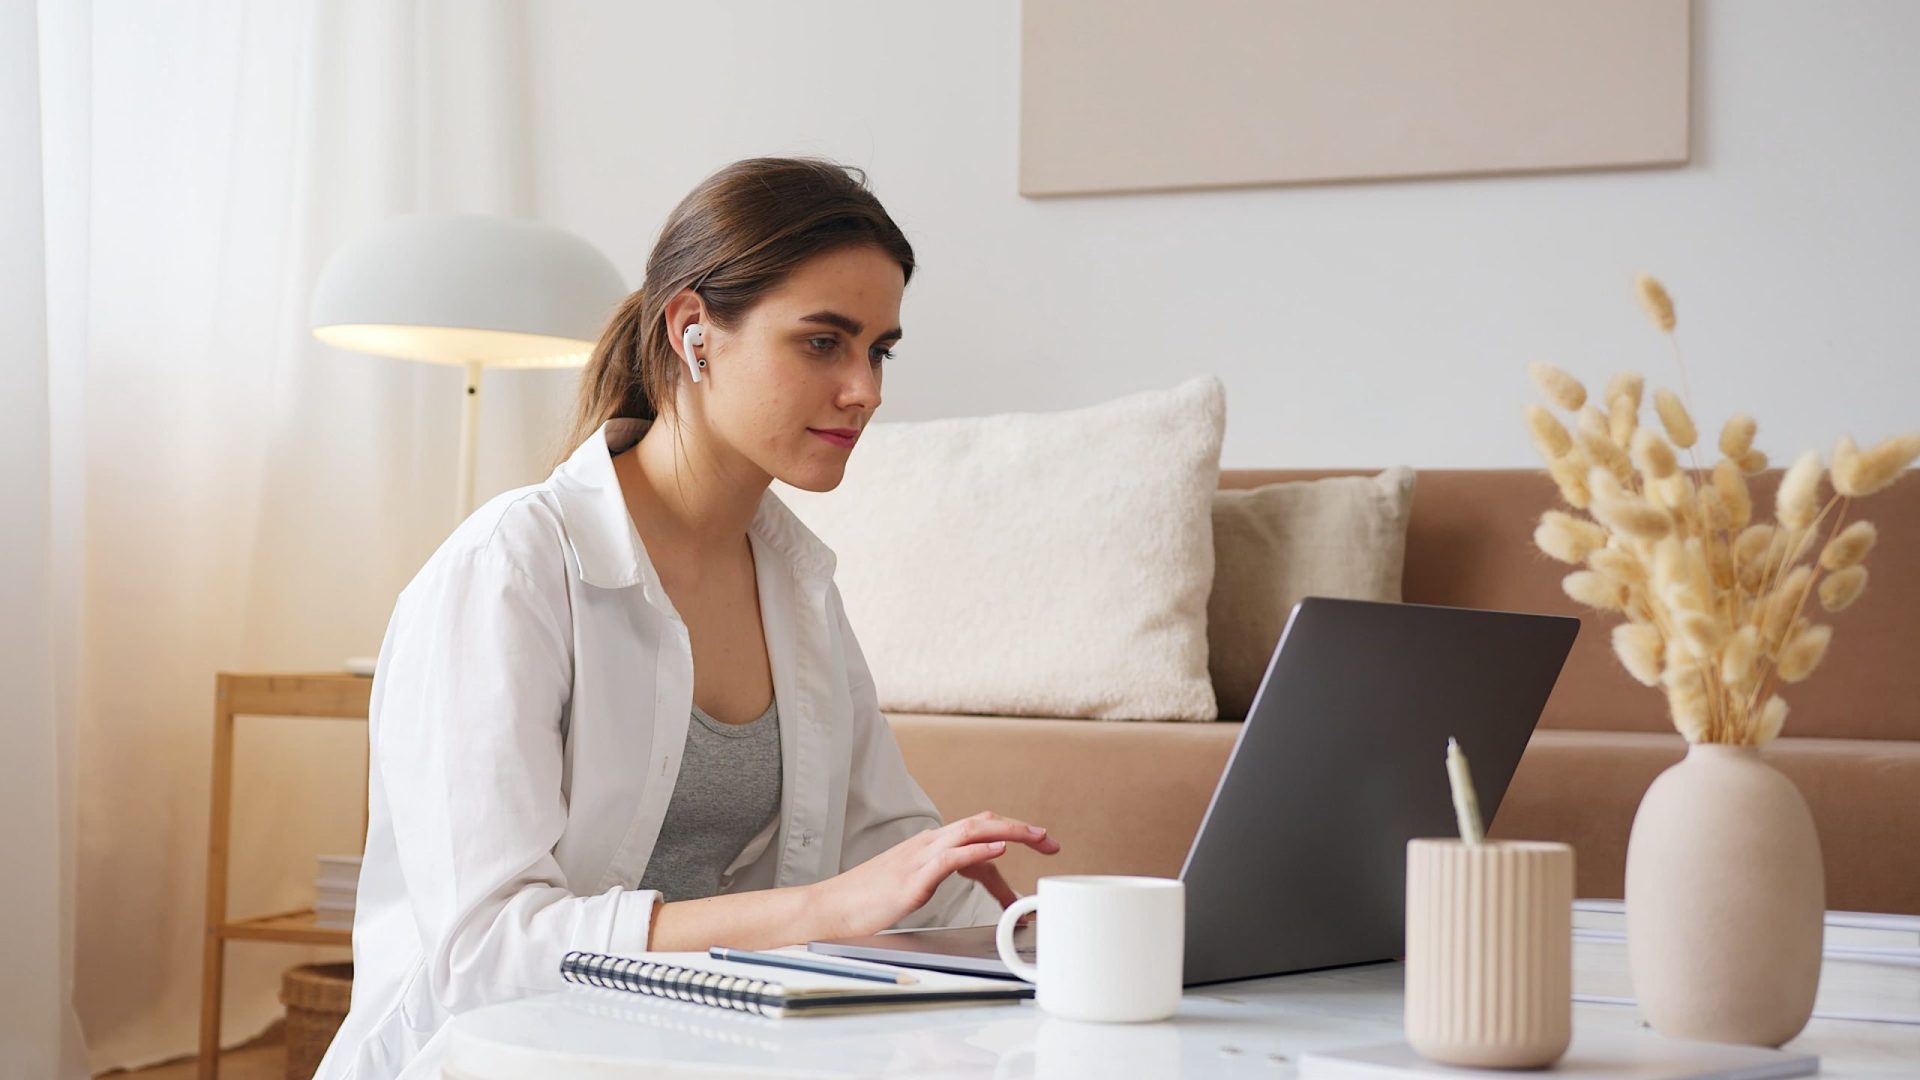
691	505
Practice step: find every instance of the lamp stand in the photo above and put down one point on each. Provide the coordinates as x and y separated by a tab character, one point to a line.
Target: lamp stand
469	441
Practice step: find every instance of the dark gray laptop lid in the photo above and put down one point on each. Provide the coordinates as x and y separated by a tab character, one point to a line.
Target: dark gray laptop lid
1300	861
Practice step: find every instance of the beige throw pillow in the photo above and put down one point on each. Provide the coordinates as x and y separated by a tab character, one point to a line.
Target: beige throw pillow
1034	564
1343	537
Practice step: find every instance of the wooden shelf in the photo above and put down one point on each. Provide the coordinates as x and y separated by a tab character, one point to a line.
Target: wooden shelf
328	694
295	927
334	695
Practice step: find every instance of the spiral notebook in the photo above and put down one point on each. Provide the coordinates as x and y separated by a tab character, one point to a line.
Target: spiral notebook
767	991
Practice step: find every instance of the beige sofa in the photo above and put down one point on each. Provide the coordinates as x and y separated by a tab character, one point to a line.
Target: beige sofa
1127	797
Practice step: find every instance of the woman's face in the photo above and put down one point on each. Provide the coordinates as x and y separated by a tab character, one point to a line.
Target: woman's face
807	358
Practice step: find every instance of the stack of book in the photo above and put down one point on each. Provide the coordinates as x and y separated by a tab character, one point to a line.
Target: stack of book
333	889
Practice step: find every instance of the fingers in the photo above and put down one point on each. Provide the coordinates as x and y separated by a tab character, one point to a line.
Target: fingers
955	859
988	826
989	876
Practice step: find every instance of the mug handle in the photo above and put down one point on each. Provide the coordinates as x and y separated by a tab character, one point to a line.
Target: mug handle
1003	938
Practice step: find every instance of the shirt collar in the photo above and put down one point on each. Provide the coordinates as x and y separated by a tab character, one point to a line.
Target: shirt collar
607	550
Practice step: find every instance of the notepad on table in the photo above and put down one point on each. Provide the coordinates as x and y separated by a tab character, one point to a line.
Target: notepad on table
697	978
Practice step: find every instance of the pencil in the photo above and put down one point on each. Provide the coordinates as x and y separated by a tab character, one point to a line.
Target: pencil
824	967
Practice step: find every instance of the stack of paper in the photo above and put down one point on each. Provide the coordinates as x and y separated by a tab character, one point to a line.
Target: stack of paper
334	887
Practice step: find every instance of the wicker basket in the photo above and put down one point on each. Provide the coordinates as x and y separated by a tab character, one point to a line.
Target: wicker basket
316	998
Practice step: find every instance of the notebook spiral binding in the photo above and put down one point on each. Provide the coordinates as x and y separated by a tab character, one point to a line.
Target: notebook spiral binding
670	981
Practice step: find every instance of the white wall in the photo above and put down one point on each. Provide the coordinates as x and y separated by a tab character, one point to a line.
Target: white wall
1359	324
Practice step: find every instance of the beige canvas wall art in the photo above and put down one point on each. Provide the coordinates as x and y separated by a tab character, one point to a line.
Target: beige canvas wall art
1135	95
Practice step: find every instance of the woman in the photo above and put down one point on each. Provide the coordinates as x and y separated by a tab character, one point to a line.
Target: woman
623	709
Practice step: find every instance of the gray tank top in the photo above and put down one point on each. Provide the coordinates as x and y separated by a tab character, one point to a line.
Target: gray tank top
727	791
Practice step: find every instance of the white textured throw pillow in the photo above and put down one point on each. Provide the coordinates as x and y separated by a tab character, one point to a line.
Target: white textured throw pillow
1034	564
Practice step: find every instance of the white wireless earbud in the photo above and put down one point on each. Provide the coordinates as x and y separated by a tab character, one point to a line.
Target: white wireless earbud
693	335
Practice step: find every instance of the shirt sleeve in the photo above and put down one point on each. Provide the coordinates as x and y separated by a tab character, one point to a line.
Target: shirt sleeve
466	733
885	805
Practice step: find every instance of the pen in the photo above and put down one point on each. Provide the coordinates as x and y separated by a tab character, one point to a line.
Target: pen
825	967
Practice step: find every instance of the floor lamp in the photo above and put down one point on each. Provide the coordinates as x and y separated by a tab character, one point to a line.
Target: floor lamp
472	291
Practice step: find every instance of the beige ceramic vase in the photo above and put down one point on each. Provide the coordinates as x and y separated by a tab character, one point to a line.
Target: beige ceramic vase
1725	901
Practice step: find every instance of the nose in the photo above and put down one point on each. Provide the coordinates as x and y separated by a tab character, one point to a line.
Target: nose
863	390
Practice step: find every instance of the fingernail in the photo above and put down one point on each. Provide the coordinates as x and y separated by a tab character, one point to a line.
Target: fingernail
1036	830
999	845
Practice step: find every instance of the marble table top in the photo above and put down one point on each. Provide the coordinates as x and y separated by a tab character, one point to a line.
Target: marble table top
1255	1028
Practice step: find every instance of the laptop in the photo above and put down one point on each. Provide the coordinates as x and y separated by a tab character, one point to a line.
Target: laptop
1300	861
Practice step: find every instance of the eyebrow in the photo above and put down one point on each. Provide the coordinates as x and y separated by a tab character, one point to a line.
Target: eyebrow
850	325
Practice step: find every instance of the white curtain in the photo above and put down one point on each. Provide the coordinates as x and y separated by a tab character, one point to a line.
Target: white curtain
208	488
39	1033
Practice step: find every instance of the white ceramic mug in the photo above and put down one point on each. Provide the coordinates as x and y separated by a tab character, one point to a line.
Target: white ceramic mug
1110	948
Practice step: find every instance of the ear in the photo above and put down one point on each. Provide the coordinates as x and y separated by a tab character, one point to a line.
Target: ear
685	309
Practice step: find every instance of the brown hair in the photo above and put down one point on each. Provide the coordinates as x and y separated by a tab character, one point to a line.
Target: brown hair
732	239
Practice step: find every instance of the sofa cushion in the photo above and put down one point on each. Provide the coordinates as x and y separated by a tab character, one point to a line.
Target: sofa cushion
1034	564
1342	537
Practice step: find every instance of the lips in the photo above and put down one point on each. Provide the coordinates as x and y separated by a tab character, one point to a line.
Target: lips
840	437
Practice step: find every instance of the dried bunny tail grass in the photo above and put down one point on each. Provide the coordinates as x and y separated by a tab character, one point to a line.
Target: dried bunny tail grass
1639	647
1623	419
1568	538
1750	550
1693	590
1703	633
1797	500
1740	660
1803	653
1850	547
1561	388
1673	492
1714	509
1675	418
1680	576
1732	488
1628	385
1782	606
1653	455
1688	700
1603	451
1842	588
1846	467
1772	717
1753	462
1879	466
1628	514
1720	565
1605	485
1596	590
1654	298
1549	435
1736	438
1618	563
1569	473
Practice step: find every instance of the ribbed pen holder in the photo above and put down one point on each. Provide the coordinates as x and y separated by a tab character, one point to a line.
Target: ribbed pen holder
1489	952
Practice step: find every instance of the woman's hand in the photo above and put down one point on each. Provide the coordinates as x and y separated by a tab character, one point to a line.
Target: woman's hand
893	884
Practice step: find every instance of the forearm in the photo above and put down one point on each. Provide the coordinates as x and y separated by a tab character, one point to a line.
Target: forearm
761	919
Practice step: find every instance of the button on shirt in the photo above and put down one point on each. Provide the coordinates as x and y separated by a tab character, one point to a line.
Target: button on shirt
529	716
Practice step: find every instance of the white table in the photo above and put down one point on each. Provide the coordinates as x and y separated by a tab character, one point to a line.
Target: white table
1256	1028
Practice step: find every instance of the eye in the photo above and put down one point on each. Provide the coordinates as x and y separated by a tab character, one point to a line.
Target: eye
881	354
822	344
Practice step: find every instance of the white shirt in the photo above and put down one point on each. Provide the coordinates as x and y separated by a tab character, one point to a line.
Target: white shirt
529	708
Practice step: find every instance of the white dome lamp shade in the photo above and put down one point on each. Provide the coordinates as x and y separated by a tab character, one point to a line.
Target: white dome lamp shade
468	290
